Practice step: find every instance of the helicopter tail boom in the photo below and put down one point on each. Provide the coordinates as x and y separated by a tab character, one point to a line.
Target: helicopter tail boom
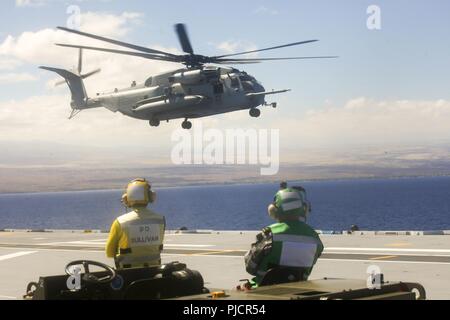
76	86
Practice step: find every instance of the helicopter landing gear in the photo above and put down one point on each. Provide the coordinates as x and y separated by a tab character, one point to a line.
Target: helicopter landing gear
155	123
255	113
273	105
186	124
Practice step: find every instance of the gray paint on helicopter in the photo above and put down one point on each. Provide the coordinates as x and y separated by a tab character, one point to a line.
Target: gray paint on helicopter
203	88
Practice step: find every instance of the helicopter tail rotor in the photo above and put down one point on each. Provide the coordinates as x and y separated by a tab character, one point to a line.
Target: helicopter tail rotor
79	69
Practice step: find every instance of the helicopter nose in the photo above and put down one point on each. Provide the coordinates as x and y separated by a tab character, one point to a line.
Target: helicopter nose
258	87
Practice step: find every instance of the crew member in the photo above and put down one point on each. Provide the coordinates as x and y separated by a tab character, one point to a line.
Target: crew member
288	243
136	238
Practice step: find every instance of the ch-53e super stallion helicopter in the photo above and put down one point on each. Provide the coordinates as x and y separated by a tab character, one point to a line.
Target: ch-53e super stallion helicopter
200	89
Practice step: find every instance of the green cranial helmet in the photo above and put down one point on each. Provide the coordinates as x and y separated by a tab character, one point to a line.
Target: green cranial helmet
291	202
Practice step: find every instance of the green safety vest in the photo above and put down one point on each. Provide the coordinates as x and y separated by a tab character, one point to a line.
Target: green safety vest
294	244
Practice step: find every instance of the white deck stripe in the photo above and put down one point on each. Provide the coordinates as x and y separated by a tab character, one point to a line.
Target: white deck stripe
7	297
320	259
327	249
241	257
16	255
385	261
96	243
190	245
199	255
375	254
387	250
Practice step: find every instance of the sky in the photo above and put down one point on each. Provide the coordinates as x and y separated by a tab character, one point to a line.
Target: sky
390	86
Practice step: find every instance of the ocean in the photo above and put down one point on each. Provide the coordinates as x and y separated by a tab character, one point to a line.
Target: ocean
372	204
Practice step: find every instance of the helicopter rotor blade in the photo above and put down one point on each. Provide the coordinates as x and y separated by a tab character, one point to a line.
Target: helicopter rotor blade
87	75
266	49
124	52
116	42
57	84
275	59
184	38
83	76
234	62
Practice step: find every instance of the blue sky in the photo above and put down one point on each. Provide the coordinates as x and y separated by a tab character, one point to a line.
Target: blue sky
389	85
407	59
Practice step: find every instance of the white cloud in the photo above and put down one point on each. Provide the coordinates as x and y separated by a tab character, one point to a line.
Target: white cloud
30	3
37	48
233	46
9	64
363	121
38	3
265	10
44	118
108	25
360	122
8	78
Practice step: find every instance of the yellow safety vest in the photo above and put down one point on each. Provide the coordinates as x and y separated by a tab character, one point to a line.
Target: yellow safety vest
136	239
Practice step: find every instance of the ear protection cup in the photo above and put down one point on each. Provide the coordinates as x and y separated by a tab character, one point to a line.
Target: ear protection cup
273	211
307	210
152	196
125	200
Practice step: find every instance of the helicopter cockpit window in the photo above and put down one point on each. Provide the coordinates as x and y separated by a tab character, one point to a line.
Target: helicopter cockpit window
148	82
247	86
234	82
246	78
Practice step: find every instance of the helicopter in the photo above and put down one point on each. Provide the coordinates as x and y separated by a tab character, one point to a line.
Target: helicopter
206	86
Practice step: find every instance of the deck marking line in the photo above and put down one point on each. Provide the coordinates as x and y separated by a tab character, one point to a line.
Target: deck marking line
189	245
96	242
199	255
383	257
16	255
209	253
385	249
388	261
398	244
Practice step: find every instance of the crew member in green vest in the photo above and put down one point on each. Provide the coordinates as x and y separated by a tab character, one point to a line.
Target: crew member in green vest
288	243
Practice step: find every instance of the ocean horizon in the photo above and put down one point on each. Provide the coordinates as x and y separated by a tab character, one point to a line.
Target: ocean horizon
414	203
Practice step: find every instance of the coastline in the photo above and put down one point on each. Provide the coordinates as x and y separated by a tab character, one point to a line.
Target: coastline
221	184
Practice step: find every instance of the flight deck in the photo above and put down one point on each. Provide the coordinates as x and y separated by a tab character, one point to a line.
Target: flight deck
218	255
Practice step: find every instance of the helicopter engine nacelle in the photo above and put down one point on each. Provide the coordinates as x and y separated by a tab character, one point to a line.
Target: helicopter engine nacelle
188	77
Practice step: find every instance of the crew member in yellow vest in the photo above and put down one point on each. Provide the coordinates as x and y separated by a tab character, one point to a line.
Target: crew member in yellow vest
136	238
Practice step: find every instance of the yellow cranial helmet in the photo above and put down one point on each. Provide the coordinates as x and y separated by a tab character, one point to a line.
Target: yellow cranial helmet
139	193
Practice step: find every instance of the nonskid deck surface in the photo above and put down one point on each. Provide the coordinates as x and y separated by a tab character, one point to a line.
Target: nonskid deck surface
218	255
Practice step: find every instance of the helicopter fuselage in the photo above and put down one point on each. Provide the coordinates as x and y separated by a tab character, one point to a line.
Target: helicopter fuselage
201	89
185	93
